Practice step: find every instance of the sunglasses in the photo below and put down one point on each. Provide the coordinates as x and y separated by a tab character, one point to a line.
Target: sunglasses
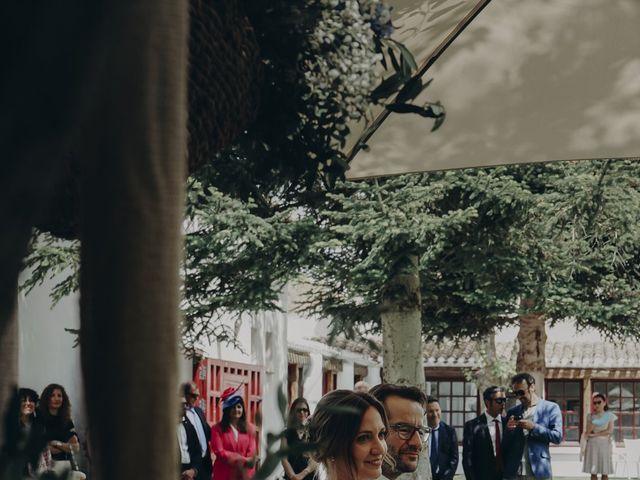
406	431
500	400
519	393
597	402
302	410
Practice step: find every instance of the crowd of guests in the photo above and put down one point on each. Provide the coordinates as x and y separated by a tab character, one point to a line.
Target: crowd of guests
47	435
388	430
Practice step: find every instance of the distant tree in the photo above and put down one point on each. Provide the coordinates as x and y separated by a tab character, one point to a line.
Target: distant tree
408	255
464	252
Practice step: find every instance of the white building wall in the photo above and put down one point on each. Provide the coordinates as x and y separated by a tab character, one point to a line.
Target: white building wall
46	352
313	380
373	376
345	377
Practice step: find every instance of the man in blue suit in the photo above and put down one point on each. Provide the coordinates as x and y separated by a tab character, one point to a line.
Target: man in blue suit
530	427
443	443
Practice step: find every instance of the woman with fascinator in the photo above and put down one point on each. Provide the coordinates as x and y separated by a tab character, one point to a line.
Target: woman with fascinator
233	440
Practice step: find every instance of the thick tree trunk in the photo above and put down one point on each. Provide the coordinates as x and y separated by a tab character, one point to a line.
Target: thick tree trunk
532	339
402	328
134	143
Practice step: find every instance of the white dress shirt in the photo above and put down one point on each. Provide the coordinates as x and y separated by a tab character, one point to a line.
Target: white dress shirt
491	424
193	417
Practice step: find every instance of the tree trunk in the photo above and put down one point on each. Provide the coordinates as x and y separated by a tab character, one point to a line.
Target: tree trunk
134	145
402	341
402	328
8	362
532	339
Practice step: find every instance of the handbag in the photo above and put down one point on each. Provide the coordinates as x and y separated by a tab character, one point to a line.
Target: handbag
69	468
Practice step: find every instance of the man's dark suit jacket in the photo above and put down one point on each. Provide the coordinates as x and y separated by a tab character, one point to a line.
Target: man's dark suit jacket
206	466
447	453
478	459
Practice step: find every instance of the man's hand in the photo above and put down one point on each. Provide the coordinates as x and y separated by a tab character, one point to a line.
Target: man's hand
188	474
526	424
512	423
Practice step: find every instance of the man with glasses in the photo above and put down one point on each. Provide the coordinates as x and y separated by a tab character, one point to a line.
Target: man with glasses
482	441
197	419
407	436
530	427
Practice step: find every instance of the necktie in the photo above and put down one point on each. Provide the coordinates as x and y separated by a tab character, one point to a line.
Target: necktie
433	454
498	446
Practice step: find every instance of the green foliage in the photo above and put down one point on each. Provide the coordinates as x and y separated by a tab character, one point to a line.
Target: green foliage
235	261
491	368
448	220
593	240
554	234
48	258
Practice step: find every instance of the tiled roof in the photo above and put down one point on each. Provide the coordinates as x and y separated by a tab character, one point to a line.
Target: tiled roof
593	355
464	354
558	354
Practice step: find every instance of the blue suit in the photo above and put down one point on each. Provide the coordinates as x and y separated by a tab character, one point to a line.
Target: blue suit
548	428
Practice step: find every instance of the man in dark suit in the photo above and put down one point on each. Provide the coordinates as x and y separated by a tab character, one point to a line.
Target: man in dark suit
482	442
443	443
196	417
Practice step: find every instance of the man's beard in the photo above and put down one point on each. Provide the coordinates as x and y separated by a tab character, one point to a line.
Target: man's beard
399	467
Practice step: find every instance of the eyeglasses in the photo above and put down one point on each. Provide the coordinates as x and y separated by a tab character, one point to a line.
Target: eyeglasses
519	393
302	410
406	431
500	400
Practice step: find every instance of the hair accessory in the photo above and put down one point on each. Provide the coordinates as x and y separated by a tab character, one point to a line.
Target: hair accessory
230	397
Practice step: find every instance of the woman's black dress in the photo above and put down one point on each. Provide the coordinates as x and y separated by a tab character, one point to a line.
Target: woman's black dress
56	428
299	461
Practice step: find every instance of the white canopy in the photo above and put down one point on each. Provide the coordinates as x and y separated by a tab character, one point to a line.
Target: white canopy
526	81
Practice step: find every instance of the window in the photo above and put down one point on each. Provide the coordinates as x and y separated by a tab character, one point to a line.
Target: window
624	400
568	395
295	382
329	381
458	400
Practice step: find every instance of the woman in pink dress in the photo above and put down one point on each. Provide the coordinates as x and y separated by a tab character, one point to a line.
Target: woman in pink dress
233	440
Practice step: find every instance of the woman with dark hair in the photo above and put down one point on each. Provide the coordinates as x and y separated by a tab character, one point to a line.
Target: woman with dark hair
297	465
597	439
349	430
233	440
38	455
55	414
